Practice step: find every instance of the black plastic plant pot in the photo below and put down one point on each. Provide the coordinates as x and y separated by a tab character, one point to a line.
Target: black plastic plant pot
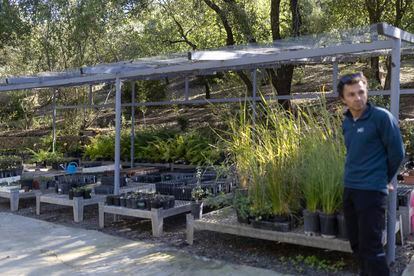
148	203
134	203
242	219
110	200
63	188
78	194
280	218
129	202
171	201
116	201
197	210
156	204
342	232
71	194
56	166
329	226
141	203
165	203
311	223
122	201
272	225
87	194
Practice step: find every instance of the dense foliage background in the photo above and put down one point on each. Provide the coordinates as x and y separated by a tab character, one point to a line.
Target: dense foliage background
54	35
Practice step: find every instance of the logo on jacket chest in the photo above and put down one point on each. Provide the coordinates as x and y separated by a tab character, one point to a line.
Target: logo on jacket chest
360	130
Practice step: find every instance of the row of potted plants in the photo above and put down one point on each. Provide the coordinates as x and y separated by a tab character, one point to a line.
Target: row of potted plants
287	162
182	190
144	201
10	165
7	186
84	192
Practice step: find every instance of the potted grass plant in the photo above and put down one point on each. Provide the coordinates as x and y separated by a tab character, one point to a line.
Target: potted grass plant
322	162
267	152
332	162
312	171
310	190
322	188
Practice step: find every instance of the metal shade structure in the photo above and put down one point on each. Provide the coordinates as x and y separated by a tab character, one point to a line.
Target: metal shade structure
333	48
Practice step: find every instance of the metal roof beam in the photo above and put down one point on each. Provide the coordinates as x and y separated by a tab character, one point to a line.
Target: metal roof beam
197	67
295	96
394	32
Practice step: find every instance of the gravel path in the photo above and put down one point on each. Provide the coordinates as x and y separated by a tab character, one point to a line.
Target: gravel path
284	258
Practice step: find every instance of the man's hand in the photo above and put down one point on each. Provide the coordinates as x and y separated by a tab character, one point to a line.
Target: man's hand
390	188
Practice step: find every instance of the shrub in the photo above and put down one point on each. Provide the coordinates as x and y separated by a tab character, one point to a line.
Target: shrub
156	146
10	162
46	157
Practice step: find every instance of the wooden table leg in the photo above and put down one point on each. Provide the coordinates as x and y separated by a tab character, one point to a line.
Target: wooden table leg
101	215
14	200
78	209
38	203
190	228
157	222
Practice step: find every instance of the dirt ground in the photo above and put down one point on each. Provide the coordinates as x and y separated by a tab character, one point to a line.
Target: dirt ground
284	258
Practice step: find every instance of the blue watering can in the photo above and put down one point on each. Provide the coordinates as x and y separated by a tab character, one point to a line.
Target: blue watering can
71	168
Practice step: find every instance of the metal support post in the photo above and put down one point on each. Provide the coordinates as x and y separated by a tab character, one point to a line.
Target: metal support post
117	172
54	122
254	81
335	77
395	104
132	123
90	100
186	88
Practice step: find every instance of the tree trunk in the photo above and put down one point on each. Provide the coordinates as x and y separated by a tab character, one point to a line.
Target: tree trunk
284	83
375	70
230	40
375	9
387	84
281	78
275	19
400	11
207	87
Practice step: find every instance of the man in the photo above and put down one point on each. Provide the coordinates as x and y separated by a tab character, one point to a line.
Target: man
374	152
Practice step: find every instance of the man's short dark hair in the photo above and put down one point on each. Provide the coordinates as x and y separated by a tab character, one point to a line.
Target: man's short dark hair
350	79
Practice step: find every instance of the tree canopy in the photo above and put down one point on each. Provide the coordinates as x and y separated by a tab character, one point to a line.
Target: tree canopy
53	35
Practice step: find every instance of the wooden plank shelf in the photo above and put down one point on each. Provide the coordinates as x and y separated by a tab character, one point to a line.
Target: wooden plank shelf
225	221
155	215
14	195
78	203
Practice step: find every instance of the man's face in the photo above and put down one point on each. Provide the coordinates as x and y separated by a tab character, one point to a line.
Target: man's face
355	96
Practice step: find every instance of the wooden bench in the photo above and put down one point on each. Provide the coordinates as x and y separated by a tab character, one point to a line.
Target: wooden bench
155	215
225	221
78	203
14	195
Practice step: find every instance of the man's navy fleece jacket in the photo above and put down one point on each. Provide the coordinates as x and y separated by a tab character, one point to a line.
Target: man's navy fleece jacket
374	149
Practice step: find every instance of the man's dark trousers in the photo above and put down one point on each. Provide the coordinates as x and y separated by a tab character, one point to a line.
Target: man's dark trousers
364	213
